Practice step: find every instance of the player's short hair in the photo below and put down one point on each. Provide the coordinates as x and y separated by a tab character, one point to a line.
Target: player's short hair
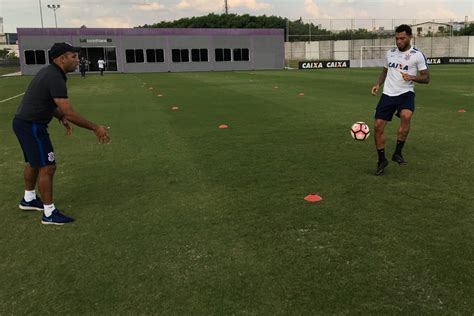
403	28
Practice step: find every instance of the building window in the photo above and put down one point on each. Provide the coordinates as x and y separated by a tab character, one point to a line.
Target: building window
241	54
155	56
245	54
199	54
140	58
223	54
134	56
40	57
180	55
35	57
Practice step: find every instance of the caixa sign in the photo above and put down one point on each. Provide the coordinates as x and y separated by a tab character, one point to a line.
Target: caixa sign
450	60
324	64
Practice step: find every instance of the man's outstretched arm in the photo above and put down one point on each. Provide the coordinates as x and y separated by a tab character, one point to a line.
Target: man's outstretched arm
69	114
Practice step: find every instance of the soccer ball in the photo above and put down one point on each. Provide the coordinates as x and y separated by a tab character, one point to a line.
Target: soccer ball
360	131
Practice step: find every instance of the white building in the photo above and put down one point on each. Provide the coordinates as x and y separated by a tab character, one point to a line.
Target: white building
428	28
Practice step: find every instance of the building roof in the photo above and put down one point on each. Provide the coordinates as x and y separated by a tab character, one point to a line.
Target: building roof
429	22
145	31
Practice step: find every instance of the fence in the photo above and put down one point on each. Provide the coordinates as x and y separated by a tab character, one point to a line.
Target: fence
331	29
367	40
370	52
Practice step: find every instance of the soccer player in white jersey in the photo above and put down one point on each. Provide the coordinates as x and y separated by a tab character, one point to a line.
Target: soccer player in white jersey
101	63
403	67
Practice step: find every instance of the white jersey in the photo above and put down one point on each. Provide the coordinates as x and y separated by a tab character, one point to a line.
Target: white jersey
410	61
101	63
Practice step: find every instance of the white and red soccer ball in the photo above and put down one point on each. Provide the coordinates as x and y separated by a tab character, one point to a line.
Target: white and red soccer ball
360	131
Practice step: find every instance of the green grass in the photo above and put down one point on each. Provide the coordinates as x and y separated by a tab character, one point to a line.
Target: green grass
9	69
177	216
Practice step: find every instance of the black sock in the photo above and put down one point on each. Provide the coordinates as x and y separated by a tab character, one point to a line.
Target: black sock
399	148
381	153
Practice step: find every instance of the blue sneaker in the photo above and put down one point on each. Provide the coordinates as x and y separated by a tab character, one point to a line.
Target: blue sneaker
33	205
56	218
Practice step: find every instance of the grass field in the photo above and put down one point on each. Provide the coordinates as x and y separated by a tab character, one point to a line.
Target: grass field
177	216
8	69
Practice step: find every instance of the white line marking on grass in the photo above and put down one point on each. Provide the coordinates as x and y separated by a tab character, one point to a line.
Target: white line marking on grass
16	96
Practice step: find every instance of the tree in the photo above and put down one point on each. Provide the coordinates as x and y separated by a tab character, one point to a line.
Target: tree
8	56
3	53
212	20
467	30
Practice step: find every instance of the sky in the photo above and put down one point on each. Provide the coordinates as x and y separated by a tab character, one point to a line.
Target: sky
132	13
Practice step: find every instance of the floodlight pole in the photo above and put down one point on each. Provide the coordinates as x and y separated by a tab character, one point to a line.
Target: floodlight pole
41	13
54	7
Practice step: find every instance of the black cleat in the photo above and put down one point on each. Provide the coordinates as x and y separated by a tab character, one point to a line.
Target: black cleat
381	167
399	158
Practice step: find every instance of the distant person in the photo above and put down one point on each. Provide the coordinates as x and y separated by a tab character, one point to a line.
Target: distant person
45	97
83	64
101	64
403	67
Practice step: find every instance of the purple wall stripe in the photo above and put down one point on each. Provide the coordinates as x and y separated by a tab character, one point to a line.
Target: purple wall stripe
144	31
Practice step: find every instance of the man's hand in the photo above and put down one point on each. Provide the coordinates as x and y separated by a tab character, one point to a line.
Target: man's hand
375	89
102	134
422	77
406	76
67	125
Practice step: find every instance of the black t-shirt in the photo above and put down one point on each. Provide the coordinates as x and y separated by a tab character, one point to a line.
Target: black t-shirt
38	102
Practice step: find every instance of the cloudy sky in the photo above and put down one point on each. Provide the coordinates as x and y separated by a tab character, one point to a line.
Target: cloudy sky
130	13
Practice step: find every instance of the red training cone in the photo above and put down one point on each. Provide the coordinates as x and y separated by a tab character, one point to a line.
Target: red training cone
313	198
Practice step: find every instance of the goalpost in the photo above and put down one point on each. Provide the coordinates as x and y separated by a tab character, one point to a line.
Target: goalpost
375	46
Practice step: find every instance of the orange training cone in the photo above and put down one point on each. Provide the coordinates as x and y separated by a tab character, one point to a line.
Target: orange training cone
313	198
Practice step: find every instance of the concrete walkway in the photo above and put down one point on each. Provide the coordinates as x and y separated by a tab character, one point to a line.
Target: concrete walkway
12	74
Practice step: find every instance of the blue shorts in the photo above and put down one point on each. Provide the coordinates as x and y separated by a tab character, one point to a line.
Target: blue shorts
35	143
388	105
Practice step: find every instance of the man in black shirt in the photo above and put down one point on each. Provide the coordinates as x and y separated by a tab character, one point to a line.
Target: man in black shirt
46	97
83	63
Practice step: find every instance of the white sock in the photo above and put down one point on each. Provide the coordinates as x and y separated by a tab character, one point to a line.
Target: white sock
30	195
48	209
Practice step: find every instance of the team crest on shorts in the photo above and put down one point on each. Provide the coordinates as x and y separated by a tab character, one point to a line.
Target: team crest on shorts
51	157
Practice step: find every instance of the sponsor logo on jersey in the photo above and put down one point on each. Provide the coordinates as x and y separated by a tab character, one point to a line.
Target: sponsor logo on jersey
398	66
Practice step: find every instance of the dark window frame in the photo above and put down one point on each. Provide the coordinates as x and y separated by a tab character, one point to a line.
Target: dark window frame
138	56
157	53
223	54
180	55
35	57
245	54
199	55
241	54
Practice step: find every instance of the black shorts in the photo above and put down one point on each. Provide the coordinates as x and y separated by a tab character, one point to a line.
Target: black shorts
388	105
35	143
